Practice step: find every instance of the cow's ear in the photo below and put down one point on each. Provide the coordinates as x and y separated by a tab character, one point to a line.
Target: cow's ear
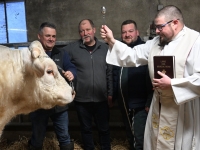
36	49
39	67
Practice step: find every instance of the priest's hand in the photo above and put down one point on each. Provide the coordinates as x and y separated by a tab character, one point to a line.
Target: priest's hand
107	35
164	83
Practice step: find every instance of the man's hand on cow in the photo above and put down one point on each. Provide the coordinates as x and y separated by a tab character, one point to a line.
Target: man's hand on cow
107	35
73	94
110	102
147	109
68	75
163	83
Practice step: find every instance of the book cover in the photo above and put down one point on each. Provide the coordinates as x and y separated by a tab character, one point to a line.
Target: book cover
164	64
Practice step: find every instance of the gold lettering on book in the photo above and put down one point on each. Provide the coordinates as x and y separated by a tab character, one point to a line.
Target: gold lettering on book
163	66
163	62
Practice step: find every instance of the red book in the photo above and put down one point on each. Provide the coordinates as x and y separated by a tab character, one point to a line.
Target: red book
164	64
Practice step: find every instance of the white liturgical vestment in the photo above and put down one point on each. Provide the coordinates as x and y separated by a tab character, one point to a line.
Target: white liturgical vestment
174	119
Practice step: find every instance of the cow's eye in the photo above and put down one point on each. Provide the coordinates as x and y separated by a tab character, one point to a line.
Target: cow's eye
50	72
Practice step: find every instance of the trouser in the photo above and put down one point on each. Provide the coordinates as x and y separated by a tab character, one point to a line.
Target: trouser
39	121
138	126
100	112
127	116
135	126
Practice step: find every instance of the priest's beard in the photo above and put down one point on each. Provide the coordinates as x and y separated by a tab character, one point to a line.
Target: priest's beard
164	40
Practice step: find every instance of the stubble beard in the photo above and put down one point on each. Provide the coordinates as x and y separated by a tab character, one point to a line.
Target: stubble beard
128	40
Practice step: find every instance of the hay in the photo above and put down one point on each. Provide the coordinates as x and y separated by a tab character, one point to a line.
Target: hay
21	144
52	144
119	144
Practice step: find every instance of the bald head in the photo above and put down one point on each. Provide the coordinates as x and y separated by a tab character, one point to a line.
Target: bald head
171	13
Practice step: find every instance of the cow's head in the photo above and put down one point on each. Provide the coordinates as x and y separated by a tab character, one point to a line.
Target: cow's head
52	87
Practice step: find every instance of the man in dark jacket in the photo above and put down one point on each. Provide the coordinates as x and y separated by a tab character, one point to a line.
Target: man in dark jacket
58	114
133	90
93	85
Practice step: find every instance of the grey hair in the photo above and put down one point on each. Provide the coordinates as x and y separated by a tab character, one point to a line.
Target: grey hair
46	24
90	21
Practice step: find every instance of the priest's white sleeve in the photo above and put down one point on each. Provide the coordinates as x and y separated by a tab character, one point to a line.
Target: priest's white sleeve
122	55
188	88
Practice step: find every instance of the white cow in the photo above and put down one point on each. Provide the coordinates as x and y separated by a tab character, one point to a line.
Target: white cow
29	80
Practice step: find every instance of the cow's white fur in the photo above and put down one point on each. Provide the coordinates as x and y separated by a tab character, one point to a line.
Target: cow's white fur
26	84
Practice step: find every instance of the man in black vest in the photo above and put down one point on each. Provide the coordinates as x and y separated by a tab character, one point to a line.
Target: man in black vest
133	90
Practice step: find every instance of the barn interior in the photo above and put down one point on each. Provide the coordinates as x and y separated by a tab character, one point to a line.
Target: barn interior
66	15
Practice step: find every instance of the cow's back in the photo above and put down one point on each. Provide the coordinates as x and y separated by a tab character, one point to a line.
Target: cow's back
11	77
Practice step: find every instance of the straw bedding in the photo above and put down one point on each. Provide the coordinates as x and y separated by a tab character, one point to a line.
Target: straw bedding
52	144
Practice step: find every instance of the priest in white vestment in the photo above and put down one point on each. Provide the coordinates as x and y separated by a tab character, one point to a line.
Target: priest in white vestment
174	118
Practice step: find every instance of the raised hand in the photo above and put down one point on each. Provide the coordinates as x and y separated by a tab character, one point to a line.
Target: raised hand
107	35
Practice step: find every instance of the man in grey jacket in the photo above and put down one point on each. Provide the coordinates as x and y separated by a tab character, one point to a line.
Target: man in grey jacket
93	85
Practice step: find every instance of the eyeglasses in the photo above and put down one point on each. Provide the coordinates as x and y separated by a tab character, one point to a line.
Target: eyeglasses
160	27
